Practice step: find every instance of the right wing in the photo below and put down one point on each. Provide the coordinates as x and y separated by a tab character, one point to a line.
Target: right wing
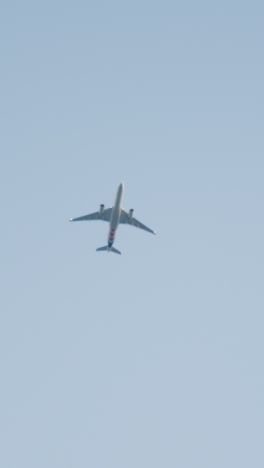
105	216
125	219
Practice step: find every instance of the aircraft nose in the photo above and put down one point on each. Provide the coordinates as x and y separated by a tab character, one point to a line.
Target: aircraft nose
122	185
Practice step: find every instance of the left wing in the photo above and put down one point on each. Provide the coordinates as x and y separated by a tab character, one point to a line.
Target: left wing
105	216
125	219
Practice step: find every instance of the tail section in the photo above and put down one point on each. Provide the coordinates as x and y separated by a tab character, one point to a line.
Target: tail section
109	249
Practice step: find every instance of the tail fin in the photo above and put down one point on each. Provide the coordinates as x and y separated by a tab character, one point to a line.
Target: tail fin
112	249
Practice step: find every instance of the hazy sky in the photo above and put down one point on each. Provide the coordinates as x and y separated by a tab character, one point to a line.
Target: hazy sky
153	358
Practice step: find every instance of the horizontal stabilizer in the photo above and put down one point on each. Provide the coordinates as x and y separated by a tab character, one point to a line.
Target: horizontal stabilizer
112	249
115	251
102	248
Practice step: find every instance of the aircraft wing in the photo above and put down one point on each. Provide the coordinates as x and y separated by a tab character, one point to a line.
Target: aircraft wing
105	216
125	219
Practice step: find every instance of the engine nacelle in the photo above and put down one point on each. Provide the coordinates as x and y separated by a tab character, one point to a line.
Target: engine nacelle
131	213
101	209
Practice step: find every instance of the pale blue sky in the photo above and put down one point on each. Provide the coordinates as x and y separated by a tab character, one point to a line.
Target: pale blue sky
155	358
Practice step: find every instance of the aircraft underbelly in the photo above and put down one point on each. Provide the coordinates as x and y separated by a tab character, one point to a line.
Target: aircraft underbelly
115	219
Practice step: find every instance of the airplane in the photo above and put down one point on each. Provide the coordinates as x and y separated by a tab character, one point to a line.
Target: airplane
115	216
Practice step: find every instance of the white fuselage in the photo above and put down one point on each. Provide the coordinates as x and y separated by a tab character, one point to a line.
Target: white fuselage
116	211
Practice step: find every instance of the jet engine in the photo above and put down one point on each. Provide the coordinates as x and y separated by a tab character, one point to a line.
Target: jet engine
131	213
101	209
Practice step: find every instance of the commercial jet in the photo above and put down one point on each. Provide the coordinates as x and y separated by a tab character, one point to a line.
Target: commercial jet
115	216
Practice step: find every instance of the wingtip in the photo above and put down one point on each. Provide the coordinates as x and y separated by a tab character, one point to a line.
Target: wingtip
155	232
71	219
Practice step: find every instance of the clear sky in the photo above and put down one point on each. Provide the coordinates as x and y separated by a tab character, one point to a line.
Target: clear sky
153	358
